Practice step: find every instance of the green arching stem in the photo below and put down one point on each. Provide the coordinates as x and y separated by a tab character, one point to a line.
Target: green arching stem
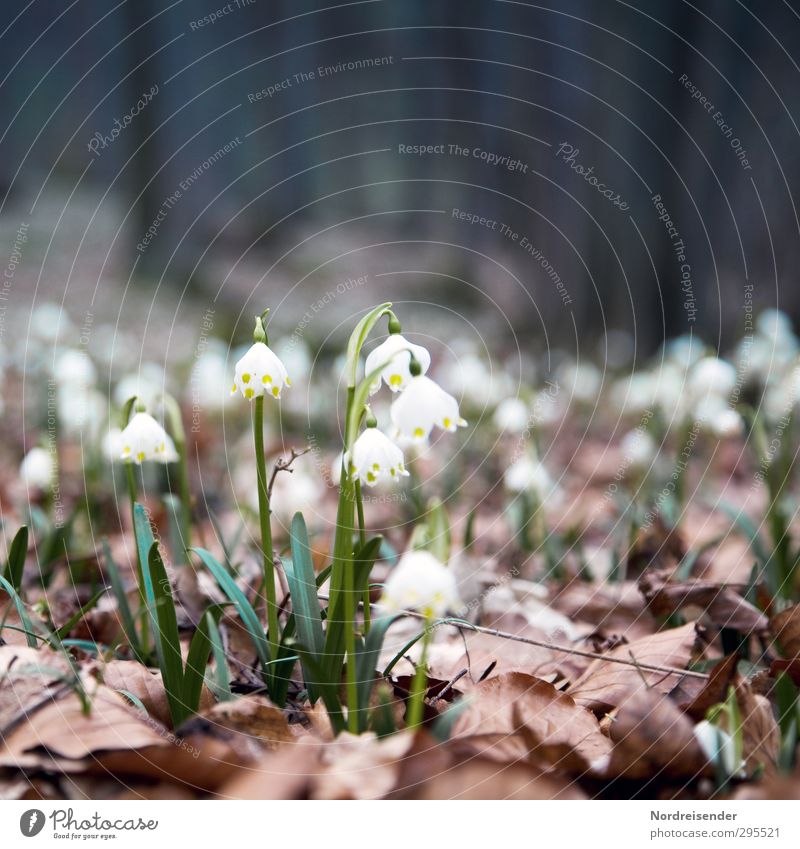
416	699
362	538
266	529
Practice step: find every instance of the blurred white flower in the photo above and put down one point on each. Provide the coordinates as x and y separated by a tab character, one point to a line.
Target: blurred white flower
75	369
375	457
81	410
295	491
111	445
423	405
775	326
144	439
208	382
726	424
718	746
529	475
581	381
471	379
712	376
396	352
511	415
260	372
147	384
421	582
37	470
683	351
638	448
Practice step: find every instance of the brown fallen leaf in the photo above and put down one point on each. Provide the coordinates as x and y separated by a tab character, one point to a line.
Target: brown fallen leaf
286	773
715	689
503	711
144	683
653	739
761	737
29	679
785	630
60	733
723	605
604	685
250	716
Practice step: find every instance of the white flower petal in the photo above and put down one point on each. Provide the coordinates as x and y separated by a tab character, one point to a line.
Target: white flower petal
421	407
396	352
260	372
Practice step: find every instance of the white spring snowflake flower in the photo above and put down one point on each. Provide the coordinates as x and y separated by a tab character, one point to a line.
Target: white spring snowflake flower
396	351
75	369
375	457
144	439
726	424
423	405
37	470
260	372
421	582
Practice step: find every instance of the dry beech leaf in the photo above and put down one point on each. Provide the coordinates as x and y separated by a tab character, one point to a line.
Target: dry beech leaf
142	682
251	716
286	773
761	737
363	767
604	685
785	630
59	731
29	679
654	739
431	771
505	712
722	605
715	689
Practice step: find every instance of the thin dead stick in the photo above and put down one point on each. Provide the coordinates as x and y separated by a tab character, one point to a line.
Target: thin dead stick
505	635
282	464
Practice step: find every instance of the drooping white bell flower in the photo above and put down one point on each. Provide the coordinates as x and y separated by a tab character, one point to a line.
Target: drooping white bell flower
37	470
511	416
375	458
144	439
423	405
111	444
581	381
396	351
421	582
260	372
718	746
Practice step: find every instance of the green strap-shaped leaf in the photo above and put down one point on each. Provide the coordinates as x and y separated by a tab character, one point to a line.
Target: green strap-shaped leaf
305	603
16	558
30	635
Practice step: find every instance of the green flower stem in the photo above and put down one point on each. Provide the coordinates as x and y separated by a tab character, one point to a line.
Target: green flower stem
273	634
416	699
130	477
362	538
186	498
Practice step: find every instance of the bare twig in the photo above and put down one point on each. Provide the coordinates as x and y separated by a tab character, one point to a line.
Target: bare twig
504	635
284	464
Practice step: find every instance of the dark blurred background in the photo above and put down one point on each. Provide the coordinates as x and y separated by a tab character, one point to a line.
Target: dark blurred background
296	176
